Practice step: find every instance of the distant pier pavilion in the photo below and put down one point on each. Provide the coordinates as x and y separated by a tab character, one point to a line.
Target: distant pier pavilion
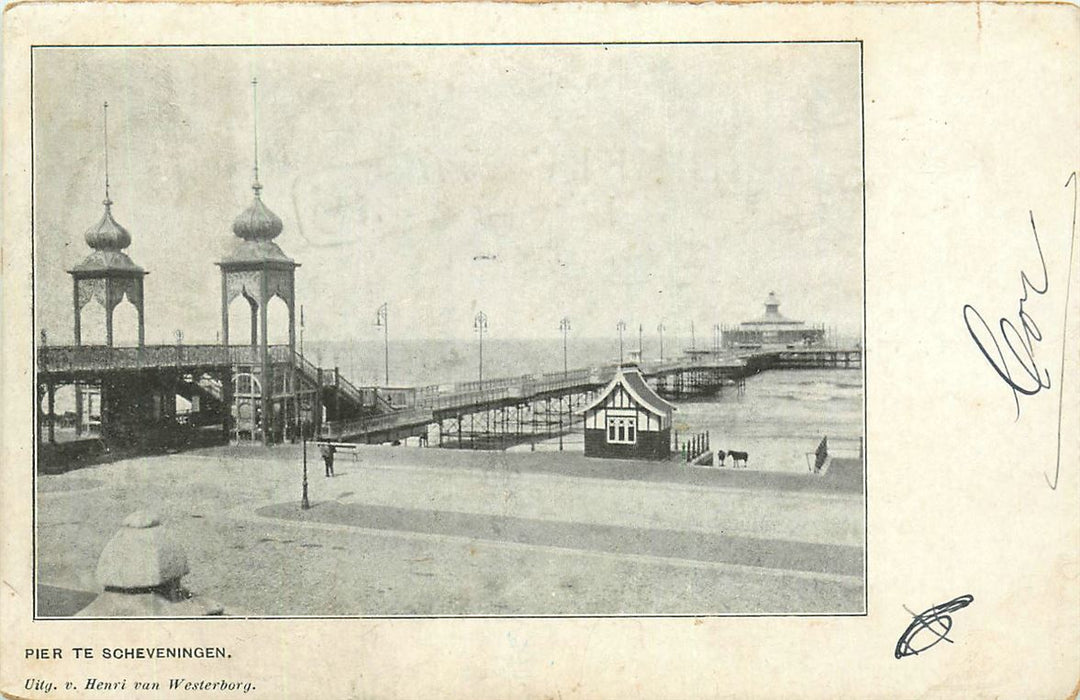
771	328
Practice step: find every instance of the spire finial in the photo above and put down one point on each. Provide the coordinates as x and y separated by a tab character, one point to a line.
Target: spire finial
105	130
255	128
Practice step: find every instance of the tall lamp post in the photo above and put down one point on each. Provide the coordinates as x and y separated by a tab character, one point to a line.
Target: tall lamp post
621	326
564	326
382	319
693	338
480	324
640	344
660	329
305	504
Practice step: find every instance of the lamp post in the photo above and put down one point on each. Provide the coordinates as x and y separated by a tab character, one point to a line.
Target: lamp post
621	326
640	344
564	326
660	328
693	339
480	324
301	330
382	319
305	504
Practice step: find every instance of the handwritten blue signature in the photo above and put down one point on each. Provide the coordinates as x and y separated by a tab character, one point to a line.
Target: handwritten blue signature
1021	372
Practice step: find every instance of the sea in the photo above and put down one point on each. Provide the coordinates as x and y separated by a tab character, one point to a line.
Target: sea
782	416
440	362
779	419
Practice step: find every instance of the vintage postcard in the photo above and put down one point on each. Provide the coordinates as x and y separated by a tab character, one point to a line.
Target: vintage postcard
495	350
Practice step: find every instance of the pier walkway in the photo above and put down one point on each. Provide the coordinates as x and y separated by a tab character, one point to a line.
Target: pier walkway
136	388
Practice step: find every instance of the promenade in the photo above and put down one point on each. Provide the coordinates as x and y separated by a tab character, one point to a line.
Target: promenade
405	531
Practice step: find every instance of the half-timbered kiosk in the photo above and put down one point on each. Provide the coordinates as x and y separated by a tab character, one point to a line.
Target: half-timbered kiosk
628	420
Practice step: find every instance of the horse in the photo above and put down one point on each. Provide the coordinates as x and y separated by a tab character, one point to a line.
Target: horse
720	457
737	457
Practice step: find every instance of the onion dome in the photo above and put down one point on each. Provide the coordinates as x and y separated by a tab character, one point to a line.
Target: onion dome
257	226
106	234
257	222
107	238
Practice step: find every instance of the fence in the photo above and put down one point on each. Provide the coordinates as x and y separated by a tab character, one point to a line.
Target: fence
694	447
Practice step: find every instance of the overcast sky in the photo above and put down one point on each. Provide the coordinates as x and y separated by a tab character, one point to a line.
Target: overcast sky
674	182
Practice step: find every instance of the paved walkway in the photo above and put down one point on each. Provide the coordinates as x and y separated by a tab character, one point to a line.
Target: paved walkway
405	531
673	544
794	516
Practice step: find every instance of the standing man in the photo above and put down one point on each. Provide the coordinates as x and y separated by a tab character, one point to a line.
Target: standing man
327	451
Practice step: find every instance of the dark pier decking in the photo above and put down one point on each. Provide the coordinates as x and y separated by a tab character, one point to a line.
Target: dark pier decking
813	358
136	388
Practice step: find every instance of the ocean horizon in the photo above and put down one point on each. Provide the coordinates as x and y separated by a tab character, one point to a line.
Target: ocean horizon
423	362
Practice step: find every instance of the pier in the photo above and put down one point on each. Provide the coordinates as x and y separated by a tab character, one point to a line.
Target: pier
137	388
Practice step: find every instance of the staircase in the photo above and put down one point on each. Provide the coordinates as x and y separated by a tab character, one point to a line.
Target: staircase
343	399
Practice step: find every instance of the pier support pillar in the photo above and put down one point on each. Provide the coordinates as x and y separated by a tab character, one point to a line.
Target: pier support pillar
560	424
78	409
39	413
51	388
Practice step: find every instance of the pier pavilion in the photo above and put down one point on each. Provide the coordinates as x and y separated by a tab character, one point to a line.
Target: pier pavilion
771	328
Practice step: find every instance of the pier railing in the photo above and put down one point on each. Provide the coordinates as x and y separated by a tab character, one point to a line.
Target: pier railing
90	358
351	391
387	421
305	366
427	395
464	399
557	381
489	384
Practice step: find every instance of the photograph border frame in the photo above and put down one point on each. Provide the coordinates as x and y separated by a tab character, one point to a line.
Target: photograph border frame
36	617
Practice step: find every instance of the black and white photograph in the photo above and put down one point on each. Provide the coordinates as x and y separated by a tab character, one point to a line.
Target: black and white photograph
449	330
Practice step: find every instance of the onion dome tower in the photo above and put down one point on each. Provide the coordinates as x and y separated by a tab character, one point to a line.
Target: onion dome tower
107	274
257	269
